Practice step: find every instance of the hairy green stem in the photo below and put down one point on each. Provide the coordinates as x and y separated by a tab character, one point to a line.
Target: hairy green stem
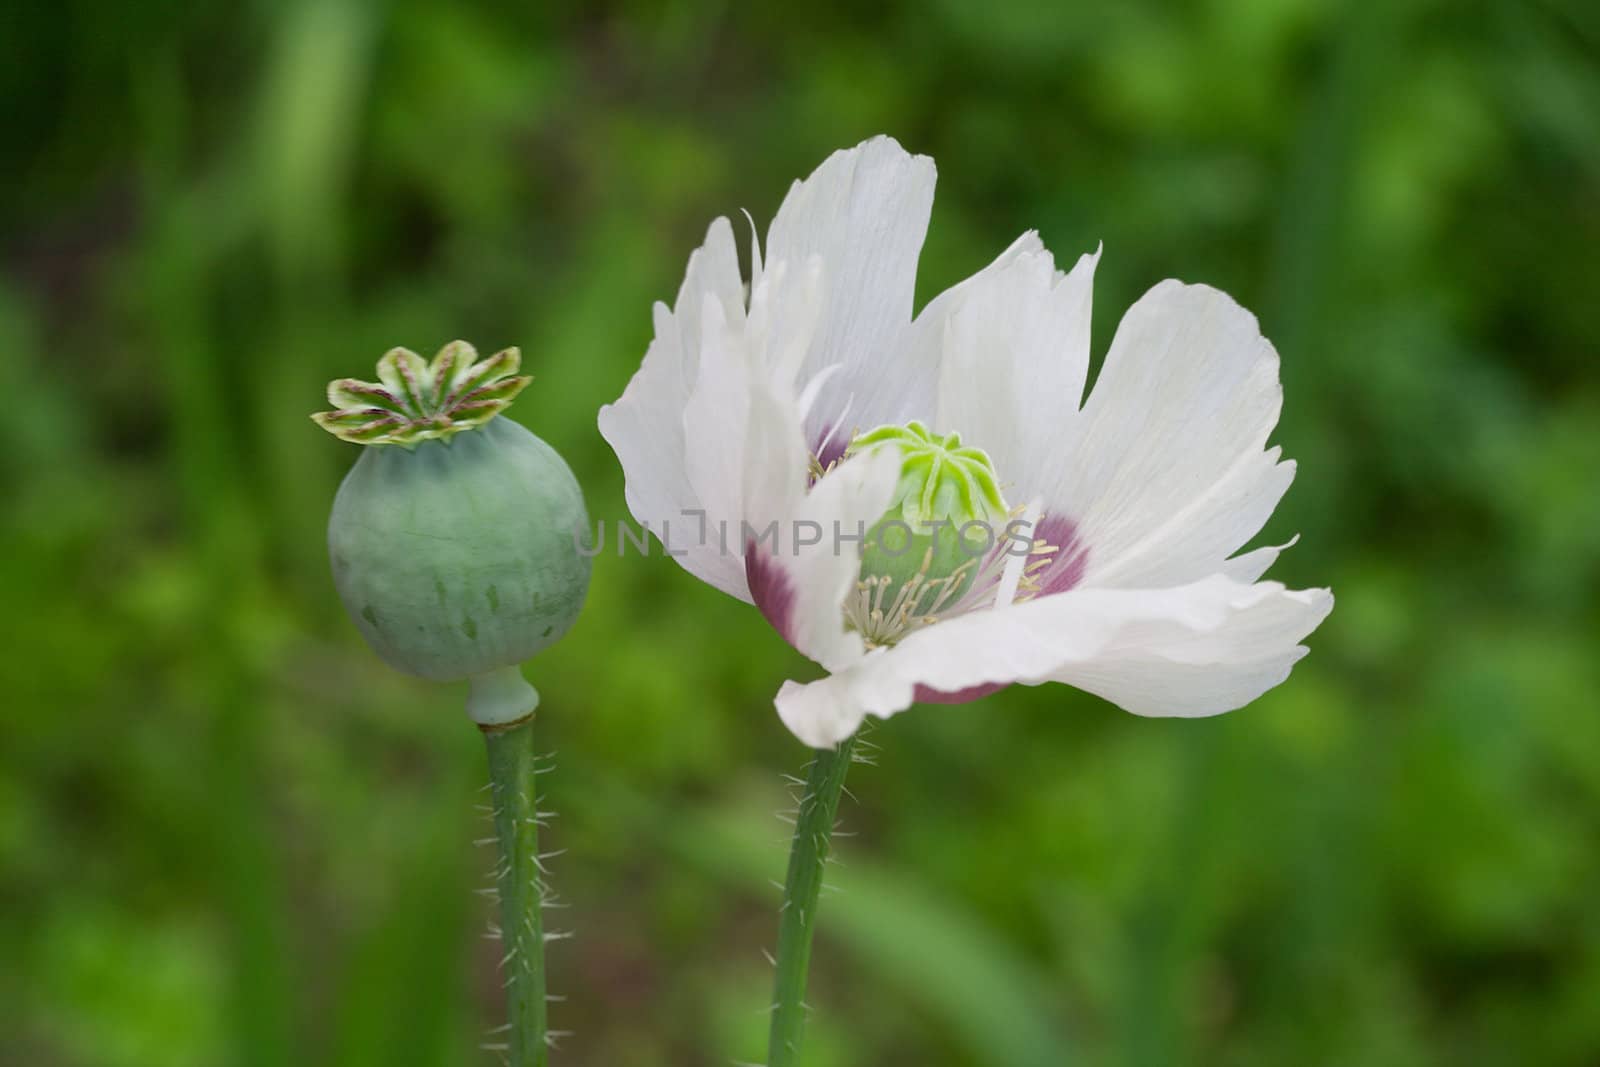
808	855
516	823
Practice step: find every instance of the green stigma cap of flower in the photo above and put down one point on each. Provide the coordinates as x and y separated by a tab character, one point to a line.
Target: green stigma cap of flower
416	400
923	555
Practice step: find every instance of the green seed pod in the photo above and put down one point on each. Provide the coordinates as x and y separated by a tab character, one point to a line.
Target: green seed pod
453	537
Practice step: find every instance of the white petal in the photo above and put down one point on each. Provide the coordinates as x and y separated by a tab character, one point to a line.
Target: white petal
802	549
714	420
1015	355
786	309
1199	649
864	212
1250	566
1174	669
914	366
1167	472
645	427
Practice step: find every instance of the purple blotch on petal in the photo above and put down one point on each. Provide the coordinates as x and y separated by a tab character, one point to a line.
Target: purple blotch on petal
829	447
925	695
1066	567
1064	572
771	589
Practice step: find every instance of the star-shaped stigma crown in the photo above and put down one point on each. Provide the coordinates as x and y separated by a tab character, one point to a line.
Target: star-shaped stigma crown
416	400
940	479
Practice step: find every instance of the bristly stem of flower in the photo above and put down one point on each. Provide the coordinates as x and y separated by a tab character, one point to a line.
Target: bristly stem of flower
516	821
808	855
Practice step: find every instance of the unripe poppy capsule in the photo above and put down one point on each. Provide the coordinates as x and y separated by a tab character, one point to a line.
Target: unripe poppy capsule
452	539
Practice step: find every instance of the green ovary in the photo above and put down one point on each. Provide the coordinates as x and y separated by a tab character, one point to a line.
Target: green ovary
917	560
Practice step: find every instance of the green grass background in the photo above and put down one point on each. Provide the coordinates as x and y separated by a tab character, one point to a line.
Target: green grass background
229	836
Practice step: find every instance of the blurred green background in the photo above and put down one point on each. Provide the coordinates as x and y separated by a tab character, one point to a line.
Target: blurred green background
229	836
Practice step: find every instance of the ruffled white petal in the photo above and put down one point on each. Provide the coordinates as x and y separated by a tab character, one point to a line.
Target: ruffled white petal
917	358
1180	669
1198	649
1250	566
864	212
646	425
714	419
1013	361
1167	472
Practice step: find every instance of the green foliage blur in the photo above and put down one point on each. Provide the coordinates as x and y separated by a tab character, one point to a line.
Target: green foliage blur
230	836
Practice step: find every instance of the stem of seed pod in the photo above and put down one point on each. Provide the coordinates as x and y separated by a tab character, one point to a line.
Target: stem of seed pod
516	822
808	855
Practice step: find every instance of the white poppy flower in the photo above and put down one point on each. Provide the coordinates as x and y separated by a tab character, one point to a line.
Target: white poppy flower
769	426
